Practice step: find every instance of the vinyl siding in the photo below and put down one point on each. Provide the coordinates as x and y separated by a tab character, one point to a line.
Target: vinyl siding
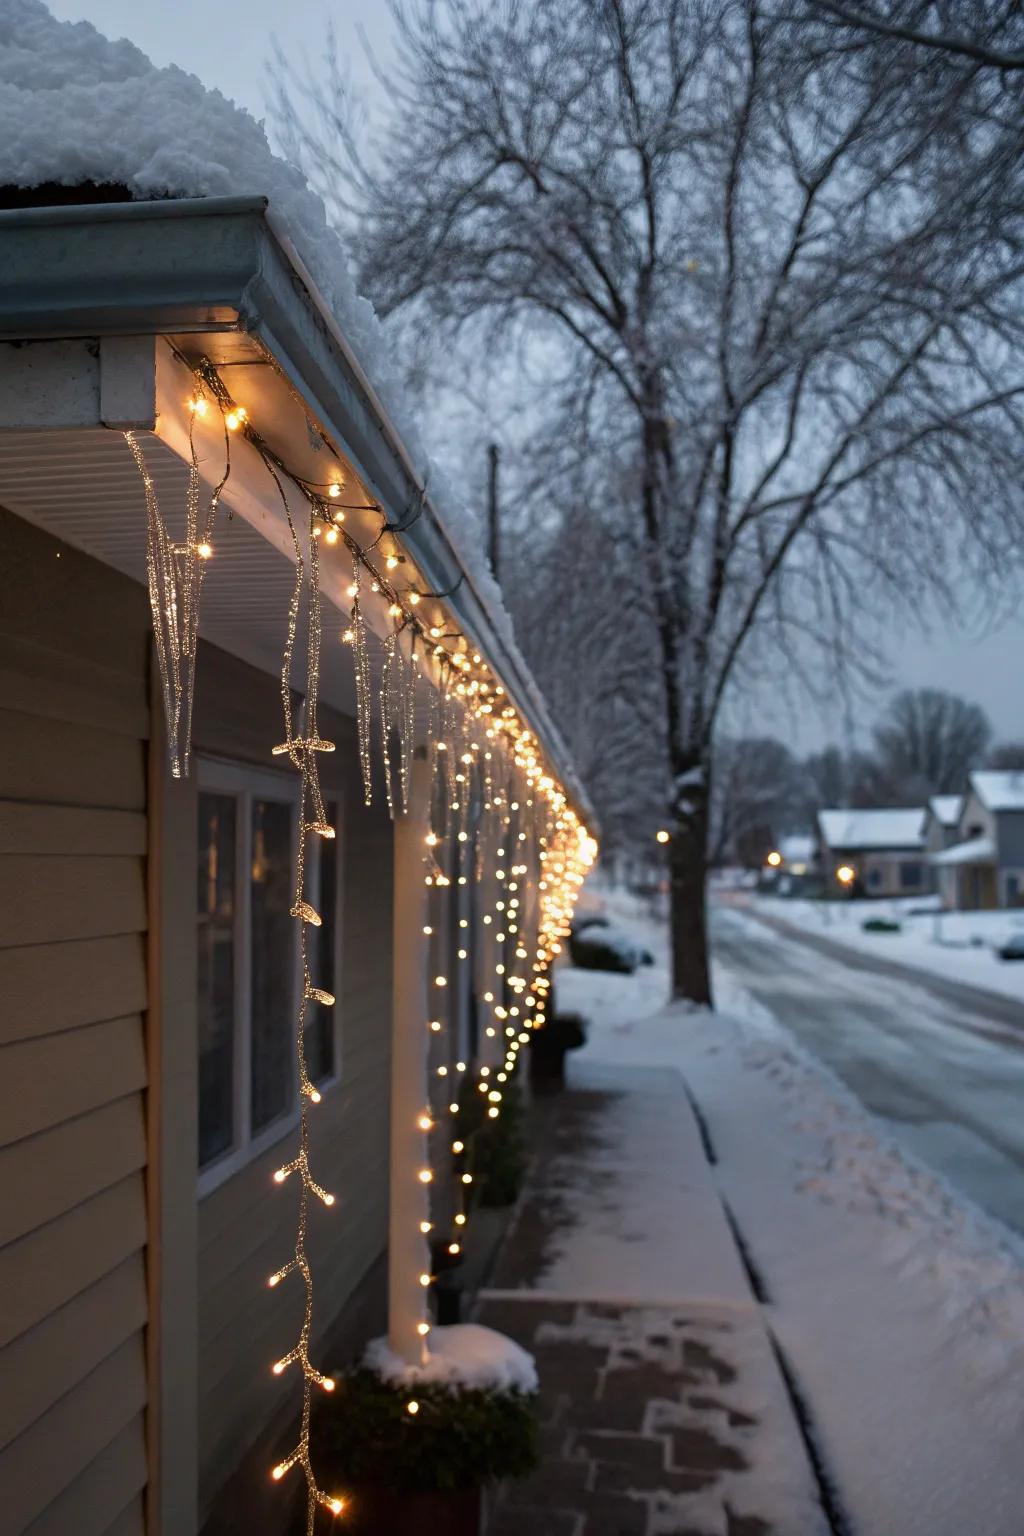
73	726
247	1224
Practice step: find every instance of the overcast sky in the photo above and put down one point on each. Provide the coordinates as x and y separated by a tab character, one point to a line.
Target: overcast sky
227	43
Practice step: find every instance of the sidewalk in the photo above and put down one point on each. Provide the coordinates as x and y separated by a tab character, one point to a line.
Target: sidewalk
664	1409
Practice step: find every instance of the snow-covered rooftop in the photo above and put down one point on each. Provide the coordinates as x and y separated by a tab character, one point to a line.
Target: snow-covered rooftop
872	828
946	809
977	850
999	789
77	107
797	848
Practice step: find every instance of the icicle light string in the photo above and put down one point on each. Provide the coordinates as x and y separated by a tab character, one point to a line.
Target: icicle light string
479	742
481	752
302	752
174	573
466	669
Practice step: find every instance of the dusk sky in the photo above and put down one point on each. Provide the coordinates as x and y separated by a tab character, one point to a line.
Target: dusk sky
227	45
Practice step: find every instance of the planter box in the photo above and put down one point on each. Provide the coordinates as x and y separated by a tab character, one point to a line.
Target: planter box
381	1512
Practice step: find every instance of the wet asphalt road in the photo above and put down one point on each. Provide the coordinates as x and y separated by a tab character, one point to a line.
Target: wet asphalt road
942	1065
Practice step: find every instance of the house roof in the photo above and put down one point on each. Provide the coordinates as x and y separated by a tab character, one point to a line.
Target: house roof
977	850
896	828
217	277
797	848
946	809
999	789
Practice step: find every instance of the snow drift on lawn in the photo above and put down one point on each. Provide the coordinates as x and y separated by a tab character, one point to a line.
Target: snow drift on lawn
464	1355
77	107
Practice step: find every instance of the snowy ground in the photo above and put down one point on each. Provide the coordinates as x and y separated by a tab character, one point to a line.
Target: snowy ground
899	1305
957	945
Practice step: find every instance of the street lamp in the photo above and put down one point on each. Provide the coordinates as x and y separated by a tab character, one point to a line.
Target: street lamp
774	859
662	836
846	875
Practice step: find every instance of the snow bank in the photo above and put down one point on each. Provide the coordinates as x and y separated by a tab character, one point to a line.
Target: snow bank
959	946
77	107
464	1355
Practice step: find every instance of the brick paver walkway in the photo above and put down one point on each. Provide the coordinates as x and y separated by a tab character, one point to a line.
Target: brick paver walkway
657	1420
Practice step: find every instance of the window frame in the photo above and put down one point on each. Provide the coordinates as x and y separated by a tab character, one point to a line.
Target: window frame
245	783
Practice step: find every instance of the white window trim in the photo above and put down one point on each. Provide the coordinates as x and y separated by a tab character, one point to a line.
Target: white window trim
245	783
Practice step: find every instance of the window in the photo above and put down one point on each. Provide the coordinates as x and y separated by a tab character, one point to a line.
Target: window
216	969
272	948
874	875
910	874
248	963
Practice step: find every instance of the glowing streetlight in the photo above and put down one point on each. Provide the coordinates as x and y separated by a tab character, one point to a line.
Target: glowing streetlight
662	836
846	875
774	859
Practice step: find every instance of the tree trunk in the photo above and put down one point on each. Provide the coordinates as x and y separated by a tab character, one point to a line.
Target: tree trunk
691	978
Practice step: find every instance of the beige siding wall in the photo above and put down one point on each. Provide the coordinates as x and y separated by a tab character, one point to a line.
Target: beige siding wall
73	723
247	1225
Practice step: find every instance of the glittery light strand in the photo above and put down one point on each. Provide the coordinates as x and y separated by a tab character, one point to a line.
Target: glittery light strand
303	752
174	571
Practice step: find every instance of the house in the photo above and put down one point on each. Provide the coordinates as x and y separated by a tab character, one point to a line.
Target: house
983	866
941	820
791	867
153	953
873	852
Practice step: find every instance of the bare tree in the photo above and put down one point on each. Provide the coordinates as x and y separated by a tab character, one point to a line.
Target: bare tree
594	672
780	272
756	797
915	22
926	743
1006	754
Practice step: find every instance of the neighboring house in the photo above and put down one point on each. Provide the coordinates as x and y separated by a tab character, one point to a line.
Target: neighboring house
873	852
983	866
147	957
792	866
941	821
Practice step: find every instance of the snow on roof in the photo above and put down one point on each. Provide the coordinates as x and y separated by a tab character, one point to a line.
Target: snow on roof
977	850
77	107
872	828
999	789
946	808
798	848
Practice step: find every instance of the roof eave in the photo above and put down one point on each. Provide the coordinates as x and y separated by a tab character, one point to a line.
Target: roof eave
207	264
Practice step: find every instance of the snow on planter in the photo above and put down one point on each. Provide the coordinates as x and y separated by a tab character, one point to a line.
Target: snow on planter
464	1355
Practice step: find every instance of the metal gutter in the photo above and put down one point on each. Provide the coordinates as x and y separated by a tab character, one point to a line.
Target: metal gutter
152	268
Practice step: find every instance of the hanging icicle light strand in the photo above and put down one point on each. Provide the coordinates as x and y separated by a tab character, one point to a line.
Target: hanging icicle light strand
174	570
303	753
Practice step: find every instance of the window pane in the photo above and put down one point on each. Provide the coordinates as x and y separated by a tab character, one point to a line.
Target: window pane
273	952
322	950
216	973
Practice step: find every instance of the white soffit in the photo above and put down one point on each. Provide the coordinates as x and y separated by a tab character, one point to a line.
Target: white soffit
82	486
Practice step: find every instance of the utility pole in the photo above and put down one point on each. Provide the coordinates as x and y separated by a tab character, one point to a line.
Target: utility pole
493	523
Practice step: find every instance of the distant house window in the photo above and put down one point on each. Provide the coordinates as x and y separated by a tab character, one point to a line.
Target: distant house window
910	873
874	875
1015	890
248	963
